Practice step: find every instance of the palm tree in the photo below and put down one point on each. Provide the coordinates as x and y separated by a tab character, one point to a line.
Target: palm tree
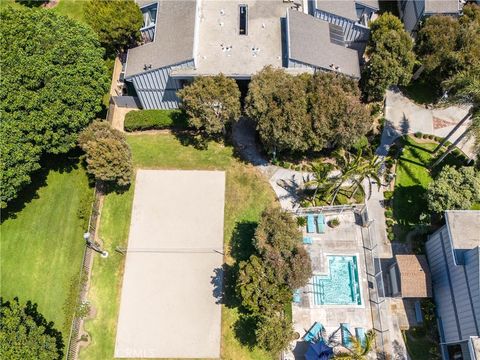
322	180
358	350
354	169
464	89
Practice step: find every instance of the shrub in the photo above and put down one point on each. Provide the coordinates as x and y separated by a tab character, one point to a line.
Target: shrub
418	134
301	221
388	213
390	236
334	223
388	195
438	138
431	137
424	136
154	120
389	222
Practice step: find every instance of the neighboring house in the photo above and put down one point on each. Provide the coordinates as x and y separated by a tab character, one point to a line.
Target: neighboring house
410	277
412	12
190	38
453	254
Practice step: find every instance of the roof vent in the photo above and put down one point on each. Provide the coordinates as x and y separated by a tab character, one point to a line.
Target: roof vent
147	66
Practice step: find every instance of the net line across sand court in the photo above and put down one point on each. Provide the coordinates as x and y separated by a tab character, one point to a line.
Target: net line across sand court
169	306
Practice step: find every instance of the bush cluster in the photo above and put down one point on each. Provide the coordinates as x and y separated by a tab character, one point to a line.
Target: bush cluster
154	120
279	265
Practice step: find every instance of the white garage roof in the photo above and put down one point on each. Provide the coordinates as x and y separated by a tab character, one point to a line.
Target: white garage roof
168	305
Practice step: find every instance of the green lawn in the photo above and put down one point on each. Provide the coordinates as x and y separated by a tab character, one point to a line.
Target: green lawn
418	344
42	244
71	8
413	178
247	194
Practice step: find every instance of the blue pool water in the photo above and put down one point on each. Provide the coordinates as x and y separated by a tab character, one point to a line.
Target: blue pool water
341	286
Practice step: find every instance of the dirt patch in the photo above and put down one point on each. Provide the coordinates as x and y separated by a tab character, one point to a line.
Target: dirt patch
50	4
441	123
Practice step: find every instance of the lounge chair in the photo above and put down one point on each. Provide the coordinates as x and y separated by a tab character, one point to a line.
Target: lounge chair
312	334
360	334
307	240
346	340
297	297
310	224
321	224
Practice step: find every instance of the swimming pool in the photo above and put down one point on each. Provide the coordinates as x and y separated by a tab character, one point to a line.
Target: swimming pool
341	286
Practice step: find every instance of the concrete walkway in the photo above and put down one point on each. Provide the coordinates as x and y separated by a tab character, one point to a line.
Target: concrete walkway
285	182
403	116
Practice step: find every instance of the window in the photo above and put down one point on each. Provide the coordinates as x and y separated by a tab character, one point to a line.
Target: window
243	19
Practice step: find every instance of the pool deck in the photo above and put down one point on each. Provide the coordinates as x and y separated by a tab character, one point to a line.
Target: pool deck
346	239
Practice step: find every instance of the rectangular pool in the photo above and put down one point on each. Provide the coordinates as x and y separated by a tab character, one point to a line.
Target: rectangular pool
341	286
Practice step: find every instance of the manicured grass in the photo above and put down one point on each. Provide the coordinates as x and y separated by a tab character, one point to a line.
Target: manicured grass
413	178
42	244
247	194
418	344
71	8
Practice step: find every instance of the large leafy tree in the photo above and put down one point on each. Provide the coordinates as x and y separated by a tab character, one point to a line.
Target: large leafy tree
259	287
277	102
447	45
25	334
53	79
454	189
108	154
436	46
117	22
212	104
274	333
390	56
278	240
338	118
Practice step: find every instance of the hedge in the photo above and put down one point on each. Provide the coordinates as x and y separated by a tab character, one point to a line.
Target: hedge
155	120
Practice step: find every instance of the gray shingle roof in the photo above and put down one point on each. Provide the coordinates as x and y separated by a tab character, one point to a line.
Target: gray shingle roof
344	8
441	6
174	38
309	43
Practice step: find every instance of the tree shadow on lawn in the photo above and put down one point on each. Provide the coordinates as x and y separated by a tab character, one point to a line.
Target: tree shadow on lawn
409	203
63	163
241	249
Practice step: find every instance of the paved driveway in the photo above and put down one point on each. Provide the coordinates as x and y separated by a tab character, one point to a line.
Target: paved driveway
404	116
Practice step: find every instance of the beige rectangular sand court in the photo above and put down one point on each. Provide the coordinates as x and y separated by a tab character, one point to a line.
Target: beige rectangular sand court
169	304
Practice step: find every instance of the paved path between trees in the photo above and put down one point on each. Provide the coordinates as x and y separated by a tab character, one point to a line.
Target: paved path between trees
403	116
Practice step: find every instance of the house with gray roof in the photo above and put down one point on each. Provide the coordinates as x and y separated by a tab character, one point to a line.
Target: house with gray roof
190	38
453	253
412	12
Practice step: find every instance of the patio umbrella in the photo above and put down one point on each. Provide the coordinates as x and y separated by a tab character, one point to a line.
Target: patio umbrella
319	351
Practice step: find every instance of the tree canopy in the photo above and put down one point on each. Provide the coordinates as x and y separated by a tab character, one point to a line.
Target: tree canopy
454	189
278	240
338	118
277	102
268	278
447	45
390	56
117	23
108	154
25	334
306	113
52	83
212	104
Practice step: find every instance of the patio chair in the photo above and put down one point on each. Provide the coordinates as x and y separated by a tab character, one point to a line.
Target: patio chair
312	334
310	224
346	340
307	240
297	296
321	224
360	334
